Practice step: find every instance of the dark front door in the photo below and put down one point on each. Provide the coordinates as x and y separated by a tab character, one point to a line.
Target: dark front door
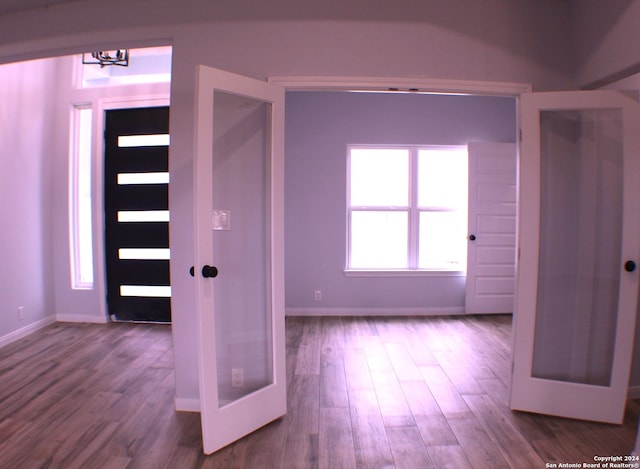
137	214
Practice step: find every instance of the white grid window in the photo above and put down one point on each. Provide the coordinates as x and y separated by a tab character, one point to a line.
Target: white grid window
407	208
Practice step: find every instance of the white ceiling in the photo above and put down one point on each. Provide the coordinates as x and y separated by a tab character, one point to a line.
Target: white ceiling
12	6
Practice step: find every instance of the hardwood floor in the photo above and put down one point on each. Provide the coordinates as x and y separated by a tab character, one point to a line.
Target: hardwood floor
363	393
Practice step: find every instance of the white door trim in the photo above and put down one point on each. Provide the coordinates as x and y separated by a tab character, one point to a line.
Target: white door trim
100	106
400	84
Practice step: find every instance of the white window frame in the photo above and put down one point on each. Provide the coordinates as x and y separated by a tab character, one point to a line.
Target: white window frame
412	209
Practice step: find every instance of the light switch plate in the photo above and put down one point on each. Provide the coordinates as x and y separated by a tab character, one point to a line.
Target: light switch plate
221	220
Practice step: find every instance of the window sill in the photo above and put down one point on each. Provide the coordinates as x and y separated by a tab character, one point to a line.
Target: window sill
403	273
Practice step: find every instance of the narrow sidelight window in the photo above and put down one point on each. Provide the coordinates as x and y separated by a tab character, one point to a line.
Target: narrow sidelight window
80	219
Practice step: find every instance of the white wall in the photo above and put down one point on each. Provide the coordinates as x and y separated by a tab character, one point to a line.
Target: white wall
500	40
605	40
26	135
494	40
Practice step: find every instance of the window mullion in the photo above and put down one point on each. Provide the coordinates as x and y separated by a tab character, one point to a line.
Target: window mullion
414	214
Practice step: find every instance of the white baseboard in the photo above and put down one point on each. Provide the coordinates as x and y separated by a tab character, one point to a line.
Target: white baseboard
25	331
81	318
187	405
374	311
633	392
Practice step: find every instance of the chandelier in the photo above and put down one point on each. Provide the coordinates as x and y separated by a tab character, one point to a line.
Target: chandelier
120	57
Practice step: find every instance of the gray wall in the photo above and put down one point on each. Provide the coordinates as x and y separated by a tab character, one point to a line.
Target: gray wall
319	126
605	38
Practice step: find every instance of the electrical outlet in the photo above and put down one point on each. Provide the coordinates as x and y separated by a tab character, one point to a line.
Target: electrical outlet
237	377
20	313
317	295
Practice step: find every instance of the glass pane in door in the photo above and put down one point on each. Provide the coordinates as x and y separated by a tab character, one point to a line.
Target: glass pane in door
241	240
581	173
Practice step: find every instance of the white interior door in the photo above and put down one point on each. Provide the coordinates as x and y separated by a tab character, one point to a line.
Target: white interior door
240	254
579	226
491	251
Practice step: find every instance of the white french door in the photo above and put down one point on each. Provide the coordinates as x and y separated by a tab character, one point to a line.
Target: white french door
491	248
239	254
579	226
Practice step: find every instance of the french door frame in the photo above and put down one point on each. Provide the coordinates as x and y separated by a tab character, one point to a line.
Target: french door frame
225	422
412	85
561	396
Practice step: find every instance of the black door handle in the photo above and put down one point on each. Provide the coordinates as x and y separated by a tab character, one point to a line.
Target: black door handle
472	237
209	271
629	266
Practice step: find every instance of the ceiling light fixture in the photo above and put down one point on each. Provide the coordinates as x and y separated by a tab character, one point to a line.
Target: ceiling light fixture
120	57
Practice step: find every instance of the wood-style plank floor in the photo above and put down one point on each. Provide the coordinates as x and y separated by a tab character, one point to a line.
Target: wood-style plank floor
363	393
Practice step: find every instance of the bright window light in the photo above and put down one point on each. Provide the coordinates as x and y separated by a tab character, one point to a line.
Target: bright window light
146	291
144	253
142	178
379	177
146	65
370	231
442	177
143	216
407	208
80	218
442	240
154	140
